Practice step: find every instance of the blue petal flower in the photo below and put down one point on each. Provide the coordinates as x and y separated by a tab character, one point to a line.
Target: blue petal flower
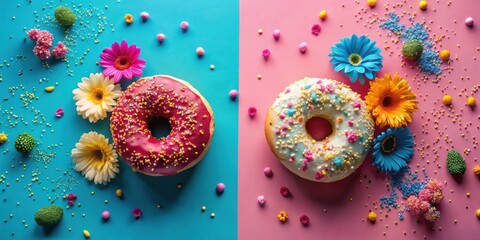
392	149
370	59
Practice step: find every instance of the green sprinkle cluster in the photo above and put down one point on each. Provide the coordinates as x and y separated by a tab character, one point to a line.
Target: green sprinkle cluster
24	143
49	216
455	163
64	16
412	50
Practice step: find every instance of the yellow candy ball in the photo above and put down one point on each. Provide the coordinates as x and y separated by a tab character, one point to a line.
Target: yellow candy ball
476	170
3	137
447	99
323	14
372	3
372	217
119	193
423	5
471	102
444	55
478	213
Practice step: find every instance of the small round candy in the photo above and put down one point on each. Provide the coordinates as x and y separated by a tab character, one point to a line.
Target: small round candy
261	200
105	215
323	14
233	94
469	22
447	99
184	25
423	5
476	170
144	15
372	3
160	37
478	213
444	55
200	51
268	172
372	217
471	102
302	47
276	34
220	188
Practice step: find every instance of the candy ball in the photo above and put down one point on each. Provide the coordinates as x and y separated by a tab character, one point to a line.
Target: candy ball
412	50
447	99
144	15
323	14
372	3
233	94
469	22
160	37
372	217
184	25
220	188
423	5
471	102
200	51
105	215
276	34
478	213
444	55
302	47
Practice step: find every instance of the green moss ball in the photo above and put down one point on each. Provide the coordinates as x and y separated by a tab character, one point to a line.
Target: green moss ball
412	50
24	143
455	163
49	216
64	16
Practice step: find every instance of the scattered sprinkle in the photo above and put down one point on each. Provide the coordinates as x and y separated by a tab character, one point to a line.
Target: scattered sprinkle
49	89
268	172
266	54
285	192
105	215
220	188
128	18
323	14
233	94
304	220
276	34
184	25
261	200
86	234
302	47
252	111
144	15
469	22
160	37
282	216
200	51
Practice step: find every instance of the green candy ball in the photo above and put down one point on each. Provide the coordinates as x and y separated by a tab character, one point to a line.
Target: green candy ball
455	163
412	50
24	143
49	216
64	16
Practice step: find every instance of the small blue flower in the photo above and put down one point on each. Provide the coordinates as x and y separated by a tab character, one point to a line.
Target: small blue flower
357	57
392	149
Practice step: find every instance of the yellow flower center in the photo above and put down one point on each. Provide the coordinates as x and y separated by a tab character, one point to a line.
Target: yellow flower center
96	96
355	59
98	158
389	144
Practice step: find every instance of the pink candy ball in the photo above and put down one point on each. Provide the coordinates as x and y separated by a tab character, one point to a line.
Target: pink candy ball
200	51
144	15
469	22
302	47
261	200
184	25
233	94
160	37
105	215
220	188
268	172
276	34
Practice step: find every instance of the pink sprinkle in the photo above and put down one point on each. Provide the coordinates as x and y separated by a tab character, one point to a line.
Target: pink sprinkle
268	172
71	196
284	191
316	29
261	200
160	37
350	123
59	113
357	104
469	22
277	131
200	51
318	175
137	212
252	111
105	215
291	159
304	220
42	51
266	54
144	15
59	51
289	105
302	47
351	136
71	202
233	94
184	25
220	188
276	34
281	116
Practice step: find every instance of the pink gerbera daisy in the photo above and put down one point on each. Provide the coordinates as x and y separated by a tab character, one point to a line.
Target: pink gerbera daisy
121	61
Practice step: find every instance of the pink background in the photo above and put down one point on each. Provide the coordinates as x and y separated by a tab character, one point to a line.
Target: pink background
339	210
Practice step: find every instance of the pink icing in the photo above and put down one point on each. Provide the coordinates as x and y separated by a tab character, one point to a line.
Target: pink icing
161	96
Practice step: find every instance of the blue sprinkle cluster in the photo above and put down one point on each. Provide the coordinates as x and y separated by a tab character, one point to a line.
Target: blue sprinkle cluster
430	61
407	183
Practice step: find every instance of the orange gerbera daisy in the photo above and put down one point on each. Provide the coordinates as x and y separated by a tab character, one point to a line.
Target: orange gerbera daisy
391	101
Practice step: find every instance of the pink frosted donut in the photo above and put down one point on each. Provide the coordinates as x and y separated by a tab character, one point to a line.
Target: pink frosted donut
190	117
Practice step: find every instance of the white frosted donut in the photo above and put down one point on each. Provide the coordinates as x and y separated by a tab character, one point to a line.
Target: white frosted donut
334	157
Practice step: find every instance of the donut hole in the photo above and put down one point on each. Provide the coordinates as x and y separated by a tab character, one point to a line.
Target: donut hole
159	127
319	128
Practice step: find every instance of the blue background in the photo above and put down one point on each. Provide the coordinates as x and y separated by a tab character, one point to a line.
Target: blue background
29	183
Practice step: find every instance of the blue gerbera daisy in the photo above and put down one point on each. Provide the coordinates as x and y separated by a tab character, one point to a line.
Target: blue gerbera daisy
357	57
392	149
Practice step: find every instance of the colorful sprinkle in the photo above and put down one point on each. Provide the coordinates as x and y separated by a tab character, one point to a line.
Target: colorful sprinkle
160	37
282	216
423	5
268	172
302	47
86	234
3	137
59	113
476	170
471	102
285	192
119	193
477	213
444	55
372	217
316	29
447	99
200	51
220	188
261	200
49	89
323	14
266	54
252	111
105	215
184	25
469	22
137	212
233	94
128	18
144	15
304	220
276	34
372	3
